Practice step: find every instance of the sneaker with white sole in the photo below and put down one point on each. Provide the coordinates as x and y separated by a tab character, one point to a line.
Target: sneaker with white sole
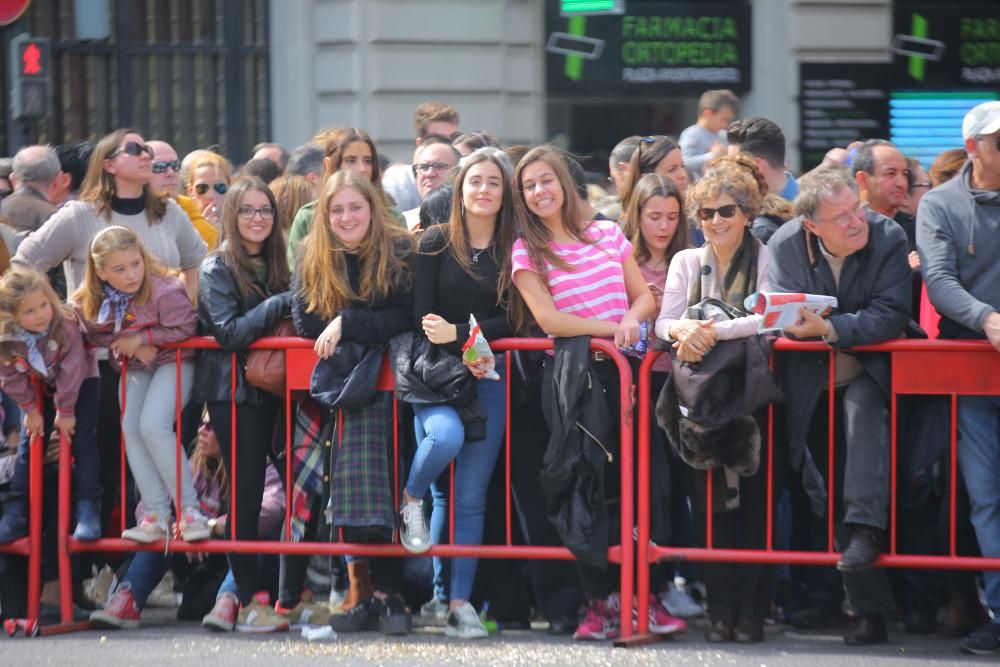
680	604
163	595
97	589
464	623
308	612
121	612
413	531
660	621
193	525
223	614
601	621
260	616
434	610
151	529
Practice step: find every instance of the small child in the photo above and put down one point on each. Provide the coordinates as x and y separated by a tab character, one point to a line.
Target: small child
38	340
129	304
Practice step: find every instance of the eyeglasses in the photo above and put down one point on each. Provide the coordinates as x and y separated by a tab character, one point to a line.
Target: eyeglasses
133	148
726	212
161	166
859	210
202	188
427	167
248	212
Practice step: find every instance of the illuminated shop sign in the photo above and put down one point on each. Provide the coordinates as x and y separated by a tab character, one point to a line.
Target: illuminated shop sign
653	47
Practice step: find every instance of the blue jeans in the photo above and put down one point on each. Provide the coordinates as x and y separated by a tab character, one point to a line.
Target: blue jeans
86	468
441	439
979	459
144	573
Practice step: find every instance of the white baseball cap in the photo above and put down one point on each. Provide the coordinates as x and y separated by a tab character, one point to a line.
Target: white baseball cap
982	119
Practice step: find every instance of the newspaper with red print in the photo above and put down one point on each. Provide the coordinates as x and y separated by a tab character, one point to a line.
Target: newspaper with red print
781	309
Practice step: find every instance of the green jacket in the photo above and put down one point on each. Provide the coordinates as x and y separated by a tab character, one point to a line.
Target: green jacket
303	223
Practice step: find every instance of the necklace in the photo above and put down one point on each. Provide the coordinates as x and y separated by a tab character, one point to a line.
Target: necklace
477	253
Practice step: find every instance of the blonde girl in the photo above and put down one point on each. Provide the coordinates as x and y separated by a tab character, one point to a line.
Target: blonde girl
129	304
37	341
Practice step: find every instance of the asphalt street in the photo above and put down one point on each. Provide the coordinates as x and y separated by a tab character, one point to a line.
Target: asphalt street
164	641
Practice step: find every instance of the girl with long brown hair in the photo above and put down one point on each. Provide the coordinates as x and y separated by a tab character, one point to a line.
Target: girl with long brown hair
463	268
243	294
353	286
578	278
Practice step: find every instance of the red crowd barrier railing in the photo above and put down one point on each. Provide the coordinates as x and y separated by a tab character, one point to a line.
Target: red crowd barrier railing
31	546
918	367
300	360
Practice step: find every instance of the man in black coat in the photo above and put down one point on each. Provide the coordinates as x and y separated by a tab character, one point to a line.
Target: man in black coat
839	247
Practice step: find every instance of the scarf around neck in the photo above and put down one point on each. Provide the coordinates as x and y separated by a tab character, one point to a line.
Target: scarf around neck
35	356
740	280
115	304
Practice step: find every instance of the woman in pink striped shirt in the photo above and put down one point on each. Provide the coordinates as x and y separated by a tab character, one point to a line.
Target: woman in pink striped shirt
578	278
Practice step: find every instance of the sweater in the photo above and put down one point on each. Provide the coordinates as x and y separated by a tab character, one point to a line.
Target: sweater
696	143
65	239
208	232
442	287
958	238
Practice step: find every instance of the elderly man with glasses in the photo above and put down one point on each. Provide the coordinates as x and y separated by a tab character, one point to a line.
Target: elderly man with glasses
166	180
433	165
839	247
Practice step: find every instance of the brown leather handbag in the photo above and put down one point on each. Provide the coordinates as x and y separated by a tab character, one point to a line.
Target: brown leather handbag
265	369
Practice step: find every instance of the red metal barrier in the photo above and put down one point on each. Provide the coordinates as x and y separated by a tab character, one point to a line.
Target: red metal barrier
31	546
921	367
300	360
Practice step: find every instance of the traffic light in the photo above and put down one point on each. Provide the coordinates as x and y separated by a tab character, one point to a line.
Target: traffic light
31	74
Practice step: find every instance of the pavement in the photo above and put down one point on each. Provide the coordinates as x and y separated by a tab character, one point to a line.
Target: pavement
162	640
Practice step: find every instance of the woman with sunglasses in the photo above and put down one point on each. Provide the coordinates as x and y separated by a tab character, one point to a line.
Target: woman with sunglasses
348	149
731	266
116	191
209	174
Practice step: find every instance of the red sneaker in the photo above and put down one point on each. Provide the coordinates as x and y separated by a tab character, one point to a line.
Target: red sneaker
601	621
223	614
660	620
120	612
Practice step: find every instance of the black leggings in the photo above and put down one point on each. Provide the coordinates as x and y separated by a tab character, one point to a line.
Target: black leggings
254	436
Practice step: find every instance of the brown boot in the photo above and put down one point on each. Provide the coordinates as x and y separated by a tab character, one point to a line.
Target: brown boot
360	588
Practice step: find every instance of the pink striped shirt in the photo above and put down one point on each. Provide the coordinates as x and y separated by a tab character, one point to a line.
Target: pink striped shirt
594	287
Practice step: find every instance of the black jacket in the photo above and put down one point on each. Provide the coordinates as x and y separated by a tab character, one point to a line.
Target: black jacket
572	475
428	374
235	322
873	306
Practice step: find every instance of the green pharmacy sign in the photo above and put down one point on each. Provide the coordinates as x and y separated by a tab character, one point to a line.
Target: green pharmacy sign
585	7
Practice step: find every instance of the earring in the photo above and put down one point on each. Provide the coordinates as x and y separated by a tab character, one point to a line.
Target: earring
462	207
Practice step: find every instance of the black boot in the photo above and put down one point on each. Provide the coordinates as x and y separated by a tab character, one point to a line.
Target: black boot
88	520
866	630
14	523
362	618
864	547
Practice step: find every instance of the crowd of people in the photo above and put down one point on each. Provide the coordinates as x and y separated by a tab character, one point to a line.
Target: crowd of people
114	251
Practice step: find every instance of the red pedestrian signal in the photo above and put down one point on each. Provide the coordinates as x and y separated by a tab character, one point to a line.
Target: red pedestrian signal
31	60
31	77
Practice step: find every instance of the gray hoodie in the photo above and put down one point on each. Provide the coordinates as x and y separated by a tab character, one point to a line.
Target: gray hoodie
958	238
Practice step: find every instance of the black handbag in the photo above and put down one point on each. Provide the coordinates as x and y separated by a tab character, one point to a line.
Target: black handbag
348	378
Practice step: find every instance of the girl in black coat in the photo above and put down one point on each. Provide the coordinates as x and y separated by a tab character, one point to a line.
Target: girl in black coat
242	295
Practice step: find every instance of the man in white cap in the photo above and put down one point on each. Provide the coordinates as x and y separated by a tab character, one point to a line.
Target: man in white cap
958	238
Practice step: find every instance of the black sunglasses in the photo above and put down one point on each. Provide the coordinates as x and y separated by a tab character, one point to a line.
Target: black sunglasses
202	188
161	166
133	148
727	211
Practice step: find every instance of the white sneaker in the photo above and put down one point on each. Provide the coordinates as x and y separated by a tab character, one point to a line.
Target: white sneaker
163	595
680	604
98	588
464	623
413	531
193	525
434	610
151	529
